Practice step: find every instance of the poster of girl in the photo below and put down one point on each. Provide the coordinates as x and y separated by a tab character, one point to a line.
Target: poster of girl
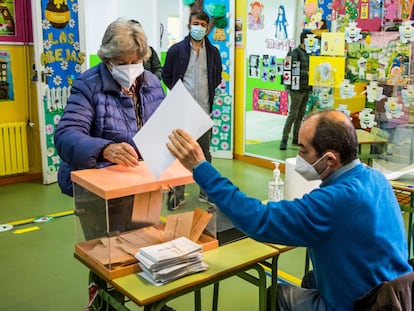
281	24
255	16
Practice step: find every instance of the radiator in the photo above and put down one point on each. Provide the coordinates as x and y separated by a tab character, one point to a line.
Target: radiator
14	158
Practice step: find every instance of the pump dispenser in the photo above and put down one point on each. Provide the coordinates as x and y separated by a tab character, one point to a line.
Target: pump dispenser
276	186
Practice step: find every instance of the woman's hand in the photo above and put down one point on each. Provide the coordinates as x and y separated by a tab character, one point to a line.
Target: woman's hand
121	153
185	148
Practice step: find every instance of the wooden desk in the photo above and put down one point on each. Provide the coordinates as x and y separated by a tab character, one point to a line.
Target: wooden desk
404	191
233	259
365	142
365	137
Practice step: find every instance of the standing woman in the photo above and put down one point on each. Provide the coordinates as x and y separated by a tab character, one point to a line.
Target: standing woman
108	105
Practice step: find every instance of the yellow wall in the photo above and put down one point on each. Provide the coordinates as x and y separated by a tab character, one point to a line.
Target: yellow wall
23	107
239	72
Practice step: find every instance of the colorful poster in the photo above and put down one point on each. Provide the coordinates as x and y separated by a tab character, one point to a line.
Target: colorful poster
380	55
221	36
62	60
369	15
328	71
6	81
333	44
14	15
270	101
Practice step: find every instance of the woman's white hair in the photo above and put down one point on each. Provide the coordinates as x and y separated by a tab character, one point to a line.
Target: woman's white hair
124	37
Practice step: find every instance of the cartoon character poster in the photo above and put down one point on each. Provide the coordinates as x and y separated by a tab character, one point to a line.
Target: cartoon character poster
317	14
63	62
281	24
255	17
270	101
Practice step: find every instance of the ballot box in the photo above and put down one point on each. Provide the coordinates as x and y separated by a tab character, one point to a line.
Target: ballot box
118	211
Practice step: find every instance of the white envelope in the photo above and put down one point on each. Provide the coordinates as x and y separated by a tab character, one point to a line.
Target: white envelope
178	110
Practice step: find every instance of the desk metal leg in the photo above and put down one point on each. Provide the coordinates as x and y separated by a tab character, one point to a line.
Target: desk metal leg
113	302
197	300
273	288
259	281
215	296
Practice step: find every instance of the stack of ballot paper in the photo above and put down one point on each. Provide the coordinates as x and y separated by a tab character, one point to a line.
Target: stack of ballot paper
162	263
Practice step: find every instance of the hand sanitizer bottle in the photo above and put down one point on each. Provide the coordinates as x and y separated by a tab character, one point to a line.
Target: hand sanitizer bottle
276	186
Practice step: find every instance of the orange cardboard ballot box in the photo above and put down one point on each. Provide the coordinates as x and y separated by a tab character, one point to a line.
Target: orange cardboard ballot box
119	210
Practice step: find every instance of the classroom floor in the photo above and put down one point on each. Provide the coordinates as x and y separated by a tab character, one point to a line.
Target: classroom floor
39	272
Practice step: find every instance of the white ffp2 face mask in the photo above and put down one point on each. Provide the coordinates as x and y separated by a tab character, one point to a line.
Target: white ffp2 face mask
126	75
307	170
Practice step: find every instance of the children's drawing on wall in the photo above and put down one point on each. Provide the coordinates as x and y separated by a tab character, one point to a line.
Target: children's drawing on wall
279	67
374	92
352	33
327	71
7	21
408	95
238	32
393	109
313	15
311	44
406	31
326	100
265	75
254	66
333	44
281	24
369	15
321	98
6	82
378	55
269	68
255	16
366	118
346	89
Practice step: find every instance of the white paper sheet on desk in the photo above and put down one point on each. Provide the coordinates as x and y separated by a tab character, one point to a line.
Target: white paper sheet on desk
178	110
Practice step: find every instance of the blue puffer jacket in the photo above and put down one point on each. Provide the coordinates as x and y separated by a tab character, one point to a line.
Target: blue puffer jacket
98	114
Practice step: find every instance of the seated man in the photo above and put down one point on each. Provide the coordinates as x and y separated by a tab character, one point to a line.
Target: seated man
352	225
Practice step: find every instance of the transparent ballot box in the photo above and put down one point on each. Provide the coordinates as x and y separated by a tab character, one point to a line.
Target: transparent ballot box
118	211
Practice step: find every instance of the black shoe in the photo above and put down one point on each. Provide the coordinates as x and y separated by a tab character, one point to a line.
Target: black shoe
283	145
174	202
295	142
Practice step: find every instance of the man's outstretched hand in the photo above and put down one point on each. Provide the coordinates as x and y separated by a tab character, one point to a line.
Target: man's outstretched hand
185	148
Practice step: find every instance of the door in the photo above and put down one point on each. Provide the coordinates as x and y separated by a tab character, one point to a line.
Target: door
59	59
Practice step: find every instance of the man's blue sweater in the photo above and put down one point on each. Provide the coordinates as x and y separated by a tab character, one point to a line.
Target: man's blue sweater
352	226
